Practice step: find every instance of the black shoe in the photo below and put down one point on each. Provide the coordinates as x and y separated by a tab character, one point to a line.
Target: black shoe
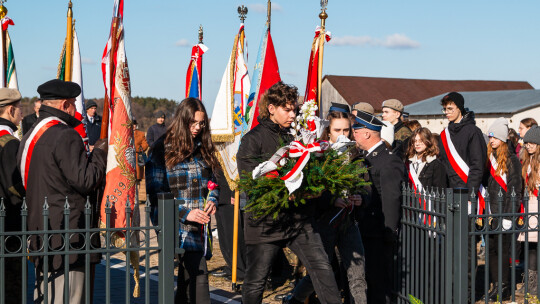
220	274
283	296
291	300
505	293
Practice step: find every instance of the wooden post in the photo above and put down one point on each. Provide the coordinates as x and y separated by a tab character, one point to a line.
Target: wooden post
322	39
69	44
235	237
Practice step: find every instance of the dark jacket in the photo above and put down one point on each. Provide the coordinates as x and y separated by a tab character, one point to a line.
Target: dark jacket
513	182
433	175
11	188
28	121
402	133
60	168
93	129
259	145
471	146
381	215
154	132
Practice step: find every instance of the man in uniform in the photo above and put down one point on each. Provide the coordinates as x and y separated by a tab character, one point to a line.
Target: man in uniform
92	123
11	188
54	165
393	113
379	219
30	119
156	130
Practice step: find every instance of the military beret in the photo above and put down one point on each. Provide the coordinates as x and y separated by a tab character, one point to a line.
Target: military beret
366	120
58	89
393	104
339	107
89	104
9	96
159	114
364	107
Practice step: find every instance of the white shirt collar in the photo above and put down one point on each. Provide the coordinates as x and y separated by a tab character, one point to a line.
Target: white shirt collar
374	147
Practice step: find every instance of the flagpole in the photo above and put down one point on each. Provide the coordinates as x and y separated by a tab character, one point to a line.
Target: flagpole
3	13
269	13
69	43
322	35
201	33
242	12
105	117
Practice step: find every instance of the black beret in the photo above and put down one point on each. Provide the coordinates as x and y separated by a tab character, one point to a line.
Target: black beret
90	103
159	114
58	89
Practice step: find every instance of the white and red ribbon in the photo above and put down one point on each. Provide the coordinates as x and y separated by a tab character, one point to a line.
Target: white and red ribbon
5	130
6	21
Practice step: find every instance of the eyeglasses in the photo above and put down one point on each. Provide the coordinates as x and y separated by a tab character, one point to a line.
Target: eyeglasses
530	145
448	110
201	124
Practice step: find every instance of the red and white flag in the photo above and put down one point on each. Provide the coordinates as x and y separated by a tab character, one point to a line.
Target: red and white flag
313	67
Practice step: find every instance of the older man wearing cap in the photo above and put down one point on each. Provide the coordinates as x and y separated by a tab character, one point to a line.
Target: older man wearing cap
11	188
55	167
392	111
156	130
92	122
379	219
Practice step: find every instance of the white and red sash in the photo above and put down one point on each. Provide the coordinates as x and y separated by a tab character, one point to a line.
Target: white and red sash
415	181
5	130
501	180
31	141
461	167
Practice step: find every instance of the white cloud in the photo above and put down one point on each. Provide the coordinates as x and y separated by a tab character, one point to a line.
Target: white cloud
86	60
394	41
261	8
182	43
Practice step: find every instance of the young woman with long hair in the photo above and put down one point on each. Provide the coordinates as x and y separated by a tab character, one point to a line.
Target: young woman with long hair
530	160
337	226
190	163
424	168
502	175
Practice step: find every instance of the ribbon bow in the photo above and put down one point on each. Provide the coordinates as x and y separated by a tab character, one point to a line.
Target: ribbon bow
327	34
293	179
6	21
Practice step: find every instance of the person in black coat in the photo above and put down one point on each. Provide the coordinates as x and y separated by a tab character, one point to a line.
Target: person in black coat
29	120
11	188
58	167
156	130
293	228
379	219
502	175
92	122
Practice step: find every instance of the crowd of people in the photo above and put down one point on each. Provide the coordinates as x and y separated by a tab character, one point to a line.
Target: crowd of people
51	161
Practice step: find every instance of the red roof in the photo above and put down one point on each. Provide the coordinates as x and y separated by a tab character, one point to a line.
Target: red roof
376	90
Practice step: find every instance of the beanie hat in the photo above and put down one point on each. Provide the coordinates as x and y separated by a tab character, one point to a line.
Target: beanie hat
90	103
499	129
387	132
533	135
456	98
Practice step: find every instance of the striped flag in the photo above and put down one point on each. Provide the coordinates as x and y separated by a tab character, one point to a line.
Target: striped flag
265	75
120	182
194	72
228	115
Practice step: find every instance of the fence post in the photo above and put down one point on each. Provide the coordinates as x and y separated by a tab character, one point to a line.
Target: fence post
460	245
167	234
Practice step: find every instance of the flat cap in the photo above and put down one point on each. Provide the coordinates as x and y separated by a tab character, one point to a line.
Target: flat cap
339	107
368	121
364	107
393	104
159	114
58	89
8	96
89	104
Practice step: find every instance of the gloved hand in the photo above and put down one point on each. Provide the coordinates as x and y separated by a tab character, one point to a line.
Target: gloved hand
102	144
506	224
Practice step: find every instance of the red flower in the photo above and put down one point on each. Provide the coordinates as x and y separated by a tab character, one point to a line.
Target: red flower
211	185
272	174
311	125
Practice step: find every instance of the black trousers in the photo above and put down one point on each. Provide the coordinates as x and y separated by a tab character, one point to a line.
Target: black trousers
225	226
494	257
309	249
380	269
192	282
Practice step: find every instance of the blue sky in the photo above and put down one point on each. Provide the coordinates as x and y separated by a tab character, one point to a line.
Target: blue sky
451	40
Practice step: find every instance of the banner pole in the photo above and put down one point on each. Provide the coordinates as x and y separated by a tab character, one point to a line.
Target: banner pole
235	237
323	17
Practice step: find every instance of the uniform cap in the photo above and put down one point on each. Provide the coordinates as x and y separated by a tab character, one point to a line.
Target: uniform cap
58	89
9	96
368	121
339	107
364	107
393	104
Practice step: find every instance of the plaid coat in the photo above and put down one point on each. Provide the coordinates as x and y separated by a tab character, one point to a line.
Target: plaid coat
188	182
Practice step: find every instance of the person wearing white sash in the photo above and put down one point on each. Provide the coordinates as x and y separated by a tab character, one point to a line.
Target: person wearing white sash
530	161
503	175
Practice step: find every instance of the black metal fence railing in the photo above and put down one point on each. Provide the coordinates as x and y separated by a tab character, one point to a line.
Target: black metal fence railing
66	243
441	237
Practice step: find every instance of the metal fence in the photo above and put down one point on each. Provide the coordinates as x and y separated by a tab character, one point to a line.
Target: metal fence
438	260
167	248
